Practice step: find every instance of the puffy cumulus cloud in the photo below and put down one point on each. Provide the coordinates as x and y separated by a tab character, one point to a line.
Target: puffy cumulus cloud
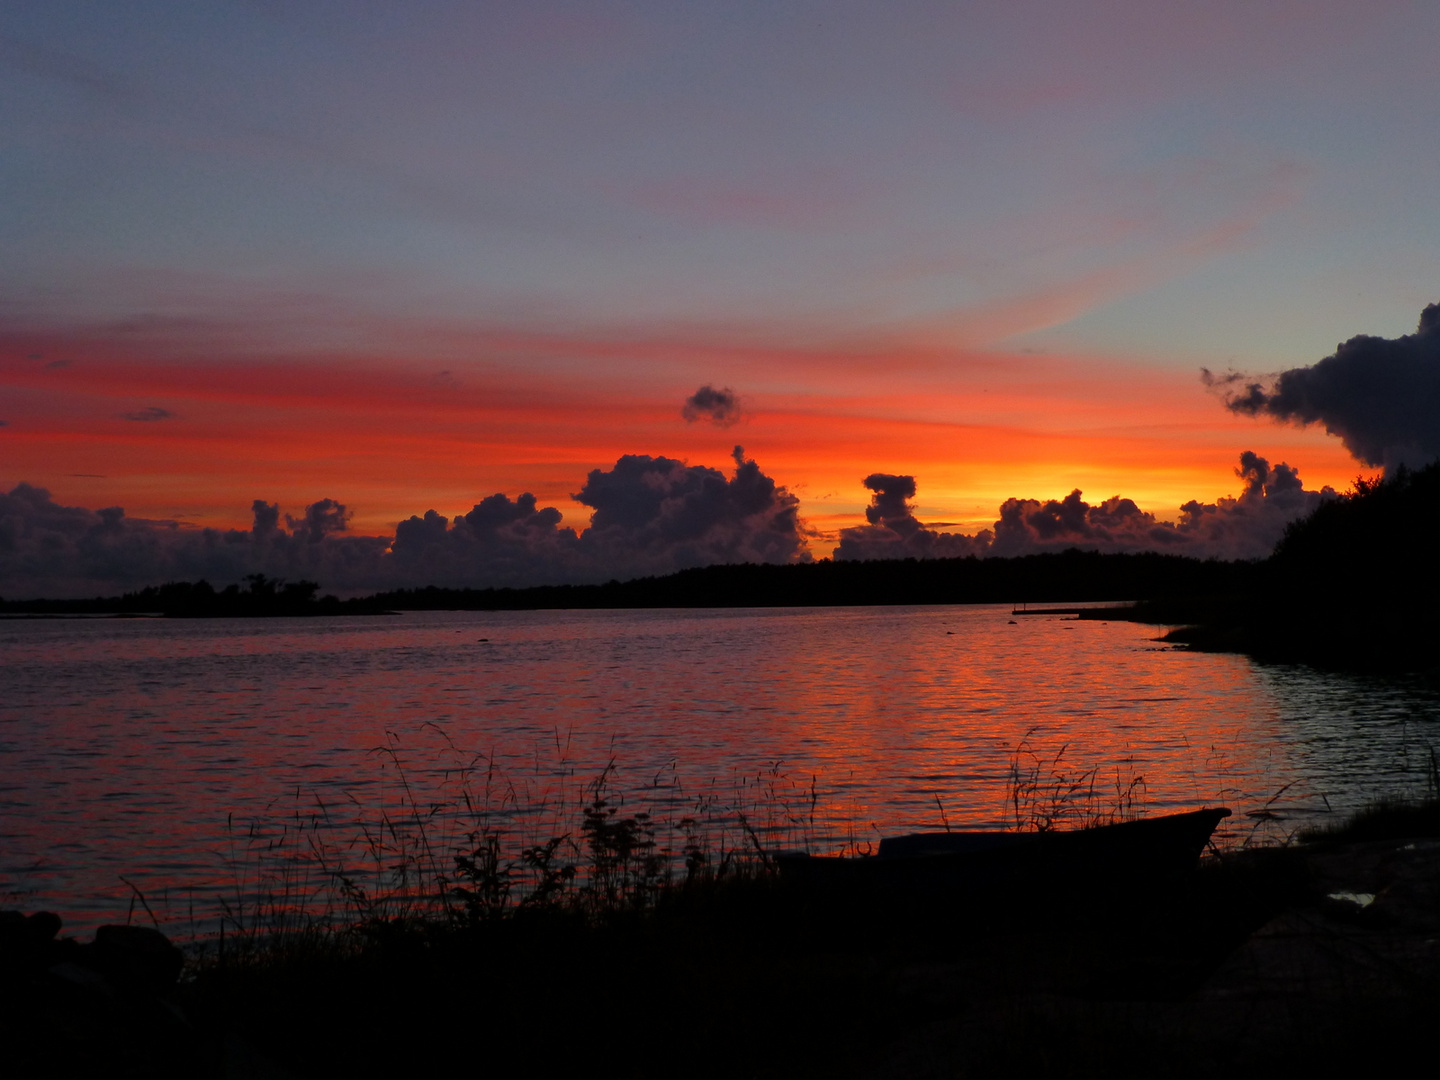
1117	524
499	542
657	514
651	515
894	532
321	519
47	549
719	407
267	517
1249	526
1246	526
1380	395
890	503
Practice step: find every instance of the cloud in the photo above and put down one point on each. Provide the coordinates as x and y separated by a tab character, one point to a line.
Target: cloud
47	549
720	407
499	542
1381	396
267	517
894	532
651	515
321	519
663	515
1243	527
148	414
890	505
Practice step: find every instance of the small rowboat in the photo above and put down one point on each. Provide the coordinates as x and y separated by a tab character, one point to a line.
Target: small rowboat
1143	848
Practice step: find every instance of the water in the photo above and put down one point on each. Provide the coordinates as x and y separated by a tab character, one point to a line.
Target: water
140	750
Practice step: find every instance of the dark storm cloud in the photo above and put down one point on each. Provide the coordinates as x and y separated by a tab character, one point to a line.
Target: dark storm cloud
148	414
720	407
1243	527
1381	396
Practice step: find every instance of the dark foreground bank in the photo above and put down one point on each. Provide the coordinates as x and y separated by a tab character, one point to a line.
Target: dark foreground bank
1315	958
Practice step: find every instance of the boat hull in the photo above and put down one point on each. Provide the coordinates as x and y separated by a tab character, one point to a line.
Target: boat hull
1144	848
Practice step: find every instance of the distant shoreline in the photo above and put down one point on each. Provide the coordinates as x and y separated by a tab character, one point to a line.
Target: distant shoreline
1068	577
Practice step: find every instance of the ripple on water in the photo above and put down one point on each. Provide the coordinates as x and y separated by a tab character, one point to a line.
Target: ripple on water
128	746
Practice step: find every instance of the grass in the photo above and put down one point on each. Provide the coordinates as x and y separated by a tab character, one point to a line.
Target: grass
1047	792
740	976
735	975
572	926
1390	819
471	845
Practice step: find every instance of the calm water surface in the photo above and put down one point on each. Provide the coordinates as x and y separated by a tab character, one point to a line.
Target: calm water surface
143	748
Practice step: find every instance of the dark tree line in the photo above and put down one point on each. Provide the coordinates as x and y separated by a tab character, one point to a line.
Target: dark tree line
1356	584
1061	577
257	596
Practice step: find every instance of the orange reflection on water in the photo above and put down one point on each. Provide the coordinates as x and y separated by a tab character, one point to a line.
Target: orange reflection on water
145	749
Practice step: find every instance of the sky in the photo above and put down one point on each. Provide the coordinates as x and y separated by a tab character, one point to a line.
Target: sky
409	256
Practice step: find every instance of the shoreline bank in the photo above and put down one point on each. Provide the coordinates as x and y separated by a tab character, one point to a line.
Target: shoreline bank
1317	955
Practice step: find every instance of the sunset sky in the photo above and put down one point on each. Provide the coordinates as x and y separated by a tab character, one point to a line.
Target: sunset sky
409	255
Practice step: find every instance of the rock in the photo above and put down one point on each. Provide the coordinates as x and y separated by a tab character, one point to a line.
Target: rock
27	942
83	977
44	925
137	955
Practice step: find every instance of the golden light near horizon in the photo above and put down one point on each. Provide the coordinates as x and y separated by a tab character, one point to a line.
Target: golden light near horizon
267	287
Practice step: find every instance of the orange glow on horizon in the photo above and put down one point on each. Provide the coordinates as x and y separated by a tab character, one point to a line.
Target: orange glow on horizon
395	437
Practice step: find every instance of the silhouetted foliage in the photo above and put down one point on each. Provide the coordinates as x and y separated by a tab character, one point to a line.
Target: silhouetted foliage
1354	584
1069	576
